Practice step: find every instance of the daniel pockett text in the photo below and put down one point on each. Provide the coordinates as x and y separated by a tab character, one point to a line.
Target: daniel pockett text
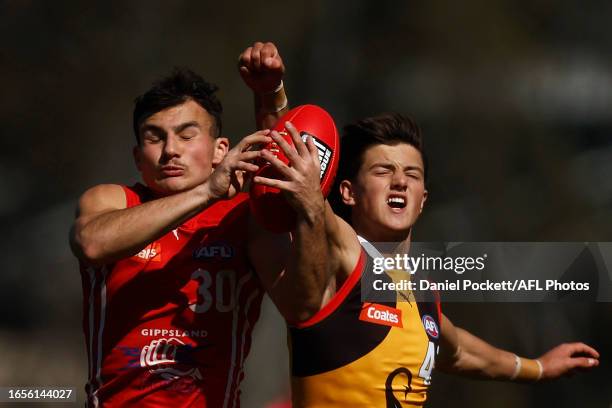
477	272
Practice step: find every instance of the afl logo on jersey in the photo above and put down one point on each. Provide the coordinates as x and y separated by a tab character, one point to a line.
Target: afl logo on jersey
217	250
430	326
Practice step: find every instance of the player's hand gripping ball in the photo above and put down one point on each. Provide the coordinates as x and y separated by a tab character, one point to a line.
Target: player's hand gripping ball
268	204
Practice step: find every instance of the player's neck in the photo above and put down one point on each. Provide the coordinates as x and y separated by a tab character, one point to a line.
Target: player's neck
378	235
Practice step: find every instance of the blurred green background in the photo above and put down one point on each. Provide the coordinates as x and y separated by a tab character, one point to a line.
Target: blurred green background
514	98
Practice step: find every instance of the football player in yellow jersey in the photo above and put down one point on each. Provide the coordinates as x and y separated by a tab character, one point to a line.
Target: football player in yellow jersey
352	353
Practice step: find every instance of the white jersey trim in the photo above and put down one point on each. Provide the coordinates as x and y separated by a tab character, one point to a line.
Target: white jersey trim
370	249
95	359
235	317
245	329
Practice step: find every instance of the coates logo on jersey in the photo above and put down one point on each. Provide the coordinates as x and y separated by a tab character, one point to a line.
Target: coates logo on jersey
430	326
169	358
150	253
381	314
216	250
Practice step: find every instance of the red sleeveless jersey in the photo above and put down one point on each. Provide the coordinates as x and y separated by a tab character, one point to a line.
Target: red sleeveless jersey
171	326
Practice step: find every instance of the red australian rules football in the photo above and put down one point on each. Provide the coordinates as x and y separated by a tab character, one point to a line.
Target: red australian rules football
268	204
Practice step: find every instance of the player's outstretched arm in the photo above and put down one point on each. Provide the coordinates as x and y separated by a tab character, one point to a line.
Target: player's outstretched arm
465	354
105	230
302	276
298	290
261	68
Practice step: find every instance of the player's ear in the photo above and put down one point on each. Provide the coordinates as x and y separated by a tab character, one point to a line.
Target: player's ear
347	193
220	149
137	154
425	193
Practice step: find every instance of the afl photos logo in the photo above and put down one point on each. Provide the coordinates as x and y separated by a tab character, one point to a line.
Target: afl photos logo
430	326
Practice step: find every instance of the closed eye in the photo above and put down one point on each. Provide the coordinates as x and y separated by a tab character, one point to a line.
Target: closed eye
188	135
150	137
381	170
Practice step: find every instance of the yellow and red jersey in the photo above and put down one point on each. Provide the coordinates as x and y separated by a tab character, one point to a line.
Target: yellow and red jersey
365	354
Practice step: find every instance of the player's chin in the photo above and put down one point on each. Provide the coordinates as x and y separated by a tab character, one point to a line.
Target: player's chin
173	185
399	226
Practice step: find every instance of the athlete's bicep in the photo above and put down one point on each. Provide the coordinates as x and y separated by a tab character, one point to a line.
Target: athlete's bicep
345	249
94	202
337	230
100	199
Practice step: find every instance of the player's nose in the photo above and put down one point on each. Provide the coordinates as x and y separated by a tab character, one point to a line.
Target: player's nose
171	147
399	181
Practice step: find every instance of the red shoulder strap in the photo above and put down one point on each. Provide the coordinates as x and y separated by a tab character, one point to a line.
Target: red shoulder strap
132	195
338	298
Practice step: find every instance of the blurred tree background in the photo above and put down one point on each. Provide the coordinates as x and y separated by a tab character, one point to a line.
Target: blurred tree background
514	98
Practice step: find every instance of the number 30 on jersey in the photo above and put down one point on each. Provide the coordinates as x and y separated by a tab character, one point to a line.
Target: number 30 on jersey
221	290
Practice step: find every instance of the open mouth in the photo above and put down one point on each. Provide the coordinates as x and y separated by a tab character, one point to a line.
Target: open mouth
396	202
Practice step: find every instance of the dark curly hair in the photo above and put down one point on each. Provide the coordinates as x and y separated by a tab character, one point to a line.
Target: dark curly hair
180	86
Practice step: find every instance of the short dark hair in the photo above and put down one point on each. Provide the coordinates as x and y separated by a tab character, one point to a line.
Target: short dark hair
180	86
386	128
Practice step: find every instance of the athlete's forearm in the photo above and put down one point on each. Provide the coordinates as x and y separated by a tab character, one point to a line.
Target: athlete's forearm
333	228
477	358
293	268
308	269
463	353
101	238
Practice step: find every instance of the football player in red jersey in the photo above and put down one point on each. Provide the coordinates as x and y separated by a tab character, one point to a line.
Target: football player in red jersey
363	354
170	299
